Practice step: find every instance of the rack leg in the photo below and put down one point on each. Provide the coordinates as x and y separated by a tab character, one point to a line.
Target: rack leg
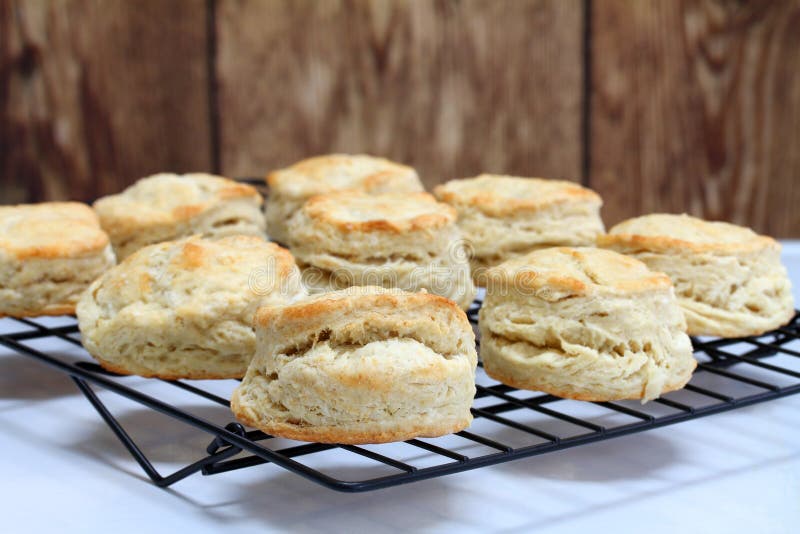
136	452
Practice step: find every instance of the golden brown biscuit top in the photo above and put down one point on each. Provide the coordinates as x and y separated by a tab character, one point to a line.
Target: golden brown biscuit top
341	172
352	211
663	232
50	230
193	274
338	304
501	195
555	273
167	198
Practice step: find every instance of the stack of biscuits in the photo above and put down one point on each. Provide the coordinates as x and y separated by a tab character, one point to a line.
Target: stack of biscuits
353	330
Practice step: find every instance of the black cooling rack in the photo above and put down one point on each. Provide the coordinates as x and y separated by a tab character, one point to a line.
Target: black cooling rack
509	423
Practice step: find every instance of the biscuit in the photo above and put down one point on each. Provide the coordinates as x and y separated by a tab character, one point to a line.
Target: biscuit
361	365
164	207
291	187
503	217
729	280
403	240
585	324
49	254
184	309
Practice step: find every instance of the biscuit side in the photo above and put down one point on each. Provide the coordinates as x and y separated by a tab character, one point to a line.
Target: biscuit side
587	348
185	309
365	366
729	295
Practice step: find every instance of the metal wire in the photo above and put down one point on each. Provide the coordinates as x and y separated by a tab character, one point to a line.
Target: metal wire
509	423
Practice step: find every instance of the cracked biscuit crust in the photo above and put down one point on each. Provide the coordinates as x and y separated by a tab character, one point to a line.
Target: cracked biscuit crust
729	280
504	217
184	309
499	195
164	207
393	213
361	365
584	324
403	240
292	186
49	254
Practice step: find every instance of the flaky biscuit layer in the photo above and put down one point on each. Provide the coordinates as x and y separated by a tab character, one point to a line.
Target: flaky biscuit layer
49	254
503	217
362	365
599	327
729	280
403	240
184	309
165	207
292	186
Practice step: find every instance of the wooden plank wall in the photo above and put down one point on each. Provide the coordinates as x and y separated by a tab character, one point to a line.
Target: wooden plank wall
695	106
96	93
450	87
680	105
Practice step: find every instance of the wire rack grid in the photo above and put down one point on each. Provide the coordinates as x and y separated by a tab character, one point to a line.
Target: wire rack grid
509	423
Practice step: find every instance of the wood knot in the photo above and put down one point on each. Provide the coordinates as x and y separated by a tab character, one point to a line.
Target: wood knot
28	60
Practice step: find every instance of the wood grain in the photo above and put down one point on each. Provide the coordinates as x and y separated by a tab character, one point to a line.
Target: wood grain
695	106
95	94
452	87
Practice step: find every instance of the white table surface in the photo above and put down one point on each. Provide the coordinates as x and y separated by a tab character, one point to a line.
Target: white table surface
62	470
